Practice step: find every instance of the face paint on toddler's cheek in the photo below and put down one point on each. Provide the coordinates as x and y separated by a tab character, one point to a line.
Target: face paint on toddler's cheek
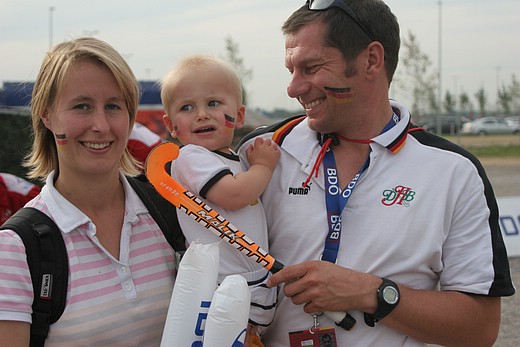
230	121
61	139
340	95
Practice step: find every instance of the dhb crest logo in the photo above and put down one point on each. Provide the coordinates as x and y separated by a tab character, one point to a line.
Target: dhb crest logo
400	195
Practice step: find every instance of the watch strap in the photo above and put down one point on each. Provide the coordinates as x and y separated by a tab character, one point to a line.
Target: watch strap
383	308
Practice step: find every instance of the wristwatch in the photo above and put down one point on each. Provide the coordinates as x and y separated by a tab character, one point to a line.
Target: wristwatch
388	297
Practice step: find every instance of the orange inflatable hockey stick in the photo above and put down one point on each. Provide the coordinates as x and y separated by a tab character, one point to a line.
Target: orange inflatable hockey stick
194	207
202	213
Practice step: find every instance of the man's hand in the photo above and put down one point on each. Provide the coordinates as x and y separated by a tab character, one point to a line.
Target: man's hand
322	286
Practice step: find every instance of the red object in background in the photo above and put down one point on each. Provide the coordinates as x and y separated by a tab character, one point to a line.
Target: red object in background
142	140
152	118
15	192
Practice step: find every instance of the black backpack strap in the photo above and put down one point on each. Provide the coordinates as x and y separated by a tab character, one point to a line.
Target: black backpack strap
49	266
162	211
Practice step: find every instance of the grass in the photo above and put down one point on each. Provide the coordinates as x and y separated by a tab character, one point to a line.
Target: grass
495	151
499	146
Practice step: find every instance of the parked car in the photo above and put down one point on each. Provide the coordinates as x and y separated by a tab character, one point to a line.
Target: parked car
487	125
449	124
514	121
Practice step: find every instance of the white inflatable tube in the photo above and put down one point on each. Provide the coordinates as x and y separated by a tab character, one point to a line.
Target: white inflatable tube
192	294
228	314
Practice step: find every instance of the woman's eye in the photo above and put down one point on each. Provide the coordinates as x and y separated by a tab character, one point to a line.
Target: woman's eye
113	107
82	106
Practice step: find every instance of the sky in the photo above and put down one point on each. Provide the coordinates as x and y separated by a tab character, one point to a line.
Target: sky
479	46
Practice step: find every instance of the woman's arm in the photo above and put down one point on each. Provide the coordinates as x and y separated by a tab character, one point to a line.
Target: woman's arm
14	334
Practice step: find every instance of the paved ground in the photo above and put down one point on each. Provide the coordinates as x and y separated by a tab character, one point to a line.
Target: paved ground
504	174
505	178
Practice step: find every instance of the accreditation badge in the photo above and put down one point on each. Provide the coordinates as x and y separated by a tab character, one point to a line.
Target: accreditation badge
315	337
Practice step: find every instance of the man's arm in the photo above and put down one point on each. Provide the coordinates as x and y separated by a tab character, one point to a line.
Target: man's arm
447	318
440	317
235	192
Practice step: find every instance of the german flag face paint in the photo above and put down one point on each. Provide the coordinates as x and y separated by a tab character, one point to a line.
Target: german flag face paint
340	95
61	139
229	121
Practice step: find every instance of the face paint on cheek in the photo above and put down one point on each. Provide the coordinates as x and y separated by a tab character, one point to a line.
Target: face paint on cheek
61	139
229	121
340	95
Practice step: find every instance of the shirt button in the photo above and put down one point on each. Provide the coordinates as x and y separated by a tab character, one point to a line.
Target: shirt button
128	287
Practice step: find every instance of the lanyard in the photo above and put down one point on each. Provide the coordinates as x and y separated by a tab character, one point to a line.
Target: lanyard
336	199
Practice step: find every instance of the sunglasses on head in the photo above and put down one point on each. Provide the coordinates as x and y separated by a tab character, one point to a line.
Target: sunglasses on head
320	5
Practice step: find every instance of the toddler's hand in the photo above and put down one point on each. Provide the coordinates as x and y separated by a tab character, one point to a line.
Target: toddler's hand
263	152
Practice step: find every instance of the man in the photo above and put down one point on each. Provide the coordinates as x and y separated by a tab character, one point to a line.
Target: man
383	220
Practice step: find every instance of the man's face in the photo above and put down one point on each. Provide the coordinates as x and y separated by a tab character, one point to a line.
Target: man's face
319	77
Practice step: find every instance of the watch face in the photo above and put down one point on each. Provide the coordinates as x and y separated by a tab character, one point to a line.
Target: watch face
390	295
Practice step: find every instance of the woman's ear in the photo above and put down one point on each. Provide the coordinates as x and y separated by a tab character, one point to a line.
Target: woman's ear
46	120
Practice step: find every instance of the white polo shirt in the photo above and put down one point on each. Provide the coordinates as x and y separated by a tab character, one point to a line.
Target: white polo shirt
423	214
198	169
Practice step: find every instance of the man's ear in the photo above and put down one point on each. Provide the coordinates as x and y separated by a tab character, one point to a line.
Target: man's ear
169	125
375	59
241	117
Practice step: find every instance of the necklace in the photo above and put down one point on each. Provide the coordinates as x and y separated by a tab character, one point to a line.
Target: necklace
343	138
330	139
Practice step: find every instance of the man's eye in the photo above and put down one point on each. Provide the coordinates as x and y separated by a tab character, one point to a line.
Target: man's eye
186	108
213	103
311	69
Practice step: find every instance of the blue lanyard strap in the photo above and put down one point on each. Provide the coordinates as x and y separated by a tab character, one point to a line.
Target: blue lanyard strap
336	200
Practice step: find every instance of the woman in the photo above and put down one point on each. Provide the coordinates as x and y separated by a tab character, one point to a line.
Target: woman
122	269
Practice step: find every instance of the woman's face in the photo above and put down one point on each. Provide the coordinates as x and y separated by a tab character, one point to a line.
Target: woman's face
90	121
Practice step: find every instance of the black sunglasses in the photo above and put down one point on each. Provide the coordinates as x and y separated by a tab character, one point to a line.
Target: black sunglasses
320	5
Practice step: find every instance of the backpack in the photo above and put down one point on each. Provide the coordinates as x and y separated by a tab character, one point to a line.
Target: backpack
47	256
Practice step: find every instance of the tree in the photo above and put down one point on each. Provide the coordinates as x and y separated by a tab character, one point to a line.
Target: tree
514	92
449	103
481	97
465	105
504	99
419	78
233	56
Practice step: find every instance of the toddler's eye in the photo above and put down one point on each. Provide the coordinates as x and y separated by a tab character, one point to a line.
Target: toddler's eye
213	103
186	108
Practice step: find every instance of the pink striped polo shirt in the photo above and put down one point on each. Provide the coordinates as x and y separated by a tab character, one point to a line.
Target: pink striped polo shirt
110	302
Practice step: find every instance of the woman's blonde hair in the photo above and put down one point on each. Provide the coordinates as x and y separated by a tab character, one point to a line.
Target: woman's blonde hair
55	67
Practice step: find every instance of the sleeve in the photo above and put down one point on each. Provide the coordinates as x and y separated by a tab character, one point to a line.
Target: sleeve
474	254
197	169
16	291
